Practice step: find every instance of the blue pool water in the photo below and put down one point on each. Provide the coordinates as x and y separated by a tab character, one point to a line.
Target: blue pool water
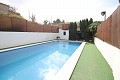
40	62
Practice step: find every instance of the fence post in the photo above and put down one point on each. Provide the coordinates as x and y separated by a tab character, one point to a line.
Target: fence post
26	25
43	28
12	23
51	29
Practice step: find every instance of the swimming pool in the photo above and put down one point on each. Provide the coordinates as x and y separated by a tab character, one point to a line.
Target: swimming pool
39	62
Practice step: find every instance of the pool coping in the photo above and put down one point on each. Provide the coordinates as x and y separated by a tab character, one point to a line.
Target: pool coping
66	71
31	44
23	46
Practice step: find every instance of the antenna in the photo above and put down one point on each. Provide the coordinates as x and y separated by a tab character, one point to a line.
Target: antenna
29	15
51	19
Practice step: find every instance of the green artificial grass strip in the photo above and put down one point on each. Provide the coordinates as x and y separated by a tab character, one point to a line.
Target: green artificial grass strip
92	65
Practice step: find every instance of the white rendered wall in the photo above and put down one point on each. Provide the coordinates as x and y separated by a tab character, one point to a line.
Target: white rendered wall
64	36
11	39
112	56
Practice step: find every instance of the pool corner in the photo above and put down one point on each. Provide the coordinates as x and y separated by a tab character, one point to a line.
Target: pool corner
66	71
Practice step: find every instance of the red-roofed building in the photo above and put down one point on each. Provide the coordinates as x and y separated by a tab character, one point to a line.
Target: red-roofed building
64	26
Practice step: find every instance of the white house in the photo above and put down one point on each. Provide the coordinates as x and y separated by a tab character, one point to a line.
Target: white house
64	31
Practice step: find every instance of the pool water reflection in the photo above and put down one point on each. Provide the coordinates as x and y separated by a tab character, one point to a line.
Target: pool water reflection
42	65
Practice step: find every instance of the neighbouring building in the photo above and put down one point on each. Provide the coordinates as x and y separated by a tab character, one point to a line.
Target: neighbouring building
64	31
4	9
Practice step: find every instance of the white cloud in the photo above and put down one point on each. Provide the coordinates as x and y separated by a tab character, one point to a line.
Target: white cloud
48	73
6	2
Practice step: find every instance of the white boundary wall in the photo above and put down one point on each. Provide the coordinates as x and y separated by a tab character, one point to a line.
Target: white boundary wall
112	56
11	39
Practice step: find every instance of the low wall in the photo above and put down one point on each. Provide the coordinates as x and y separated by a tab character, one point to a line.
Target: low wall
109	30
112	56
11	39
22	25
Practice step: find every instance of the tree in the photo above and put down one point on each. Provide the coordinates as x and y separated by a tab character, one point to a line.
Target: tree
12	9
93	26
54	22
57	21
93	29
33	18
63	21
84	24
45	22
49	23
90	21
73	31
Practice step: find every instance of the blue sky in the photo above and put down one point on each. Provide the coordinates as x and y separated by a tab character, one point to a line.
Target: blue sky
68	10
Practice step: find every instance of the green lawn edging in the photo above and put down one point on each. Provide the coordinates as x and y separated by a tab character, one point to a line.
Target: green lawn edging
92	65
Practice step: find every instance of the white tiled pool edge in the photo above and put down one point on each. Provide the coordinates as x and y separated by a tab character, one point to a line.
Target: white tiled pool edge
25	46
32	44
65	72
112	56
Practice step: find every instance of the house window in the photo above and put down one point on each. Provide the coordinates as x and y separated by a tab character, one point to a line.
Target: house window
64	33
